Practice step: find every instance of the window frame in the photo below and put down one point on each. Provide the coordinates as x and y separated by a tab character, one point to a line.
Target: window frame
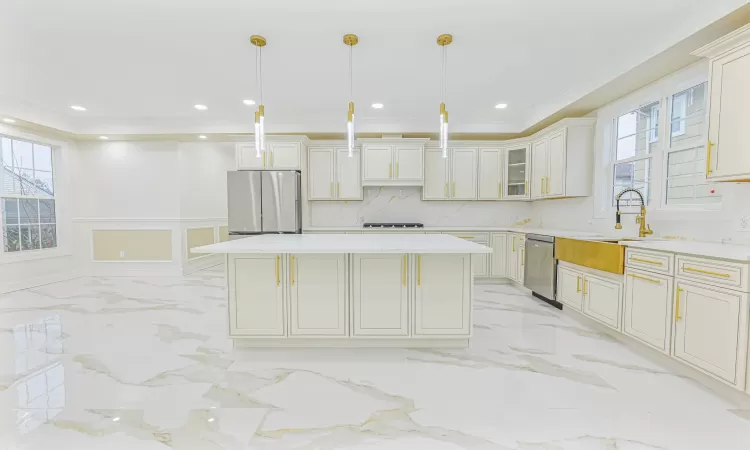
60	249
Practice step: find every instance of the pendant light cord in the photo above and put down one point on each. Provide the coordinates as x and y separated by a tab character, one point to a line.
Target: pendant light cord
259	71
444	87
351	78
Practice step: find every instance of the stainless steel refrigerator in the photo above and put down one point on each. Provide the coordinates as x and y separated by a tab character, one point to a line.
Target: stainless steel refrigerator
264	202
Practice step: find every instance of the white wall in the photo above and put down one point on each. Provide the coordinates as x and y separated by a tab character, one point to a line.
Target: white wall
23	270
394	204
203	180
597	214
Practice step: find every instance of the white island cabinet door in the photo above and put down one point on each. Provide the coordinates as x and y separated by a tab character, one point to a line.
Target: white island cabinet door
602	300
648	308
442	305
320	174
490	173
317	301
377	163
569	287
435	175
380	295
499	257
348	175
256	295
464	174
284	156
710	330
408	163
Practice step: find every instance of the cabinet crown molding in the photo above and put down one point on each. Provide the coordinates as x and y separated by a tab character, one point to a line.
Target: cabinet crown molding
731	41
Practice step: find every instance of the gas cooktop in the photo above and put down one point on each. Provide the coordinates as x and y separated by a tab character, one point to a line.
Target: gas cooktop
393	225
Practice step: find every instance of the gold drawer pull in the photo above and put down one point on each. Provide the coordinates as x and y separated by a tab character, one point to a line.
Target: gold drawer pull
404	278
578	284
585	291
641	277
291	271
499	190
647	261
419	270
707	272
708	158
465	237
677	305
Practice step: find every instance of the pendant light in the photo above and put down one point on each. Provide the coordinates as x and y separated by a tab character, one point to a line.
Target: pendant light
351	40
260	131
444	40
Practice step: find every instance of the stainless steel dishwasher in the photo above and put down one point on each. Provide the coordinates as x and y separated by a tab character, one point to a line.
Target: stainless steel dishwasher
540	270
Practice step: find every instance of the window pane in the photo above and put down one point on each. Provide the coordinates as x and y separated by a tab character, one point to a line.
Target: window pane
686	179
49	236
29	211
638	132
10	211
30	237
42	157
10	239
634	175
6	154
23	155
39	184
688	114
47	211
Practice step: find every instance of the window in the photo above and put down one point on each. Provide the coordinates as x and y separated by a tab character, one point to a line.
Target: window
27	196
637	136
686	182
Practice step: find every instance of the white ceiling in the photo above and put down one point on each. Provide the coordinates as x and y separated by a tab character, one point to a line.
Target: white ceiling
139	66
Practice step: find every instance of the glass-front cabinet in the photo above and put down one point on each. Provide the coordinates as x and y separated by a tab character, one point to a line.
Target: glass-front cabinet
517	172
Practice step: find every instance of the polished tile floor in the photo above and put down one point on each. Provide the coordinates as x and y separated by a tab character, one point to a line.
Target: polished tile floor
143	363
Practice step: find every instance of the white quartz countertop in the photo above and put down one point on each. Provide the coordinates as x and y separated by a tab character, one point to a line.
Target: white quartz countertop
456	229
346	243
707	249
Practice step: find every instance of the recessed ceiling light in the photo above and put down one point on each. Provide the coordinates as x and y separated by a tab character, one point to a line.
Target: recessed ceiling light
211	419
77	108
8	120
501	106
115	419
377	105
248	102
202	136
201	107
104	138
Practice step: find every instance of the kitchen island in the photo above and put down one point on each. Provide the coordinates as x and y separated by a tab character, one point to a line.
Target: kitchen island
344	290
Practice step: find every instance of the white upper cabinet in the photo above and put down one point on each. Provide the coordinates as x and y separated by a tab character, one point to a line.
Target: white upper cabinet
555	184
392	162
464	174
333	175
539	155
320	173
247	158
490	186
348	175
408	162
436	175
284	155
729	106
517	172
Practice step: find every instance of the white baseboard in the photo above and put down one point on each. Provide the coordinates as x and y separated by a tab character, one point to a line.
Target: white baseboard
38	281
349	342
204	262
134	269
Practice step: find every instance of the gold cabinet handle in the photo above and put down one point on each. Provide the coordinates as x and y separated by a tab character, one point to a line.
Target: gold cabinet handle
578	284
523	257
647	261
546	183
338	189
708	158
585	291
707	272
454	188
396	169
641	277
677	305
403	279
291	269
525	187
419	270
390	171
278	278
264	160
514	244
465	237
499	189
541	181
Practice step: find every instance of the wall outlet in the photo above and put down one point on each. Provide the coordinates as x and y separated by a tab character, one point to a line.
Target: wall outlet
122	253
743	224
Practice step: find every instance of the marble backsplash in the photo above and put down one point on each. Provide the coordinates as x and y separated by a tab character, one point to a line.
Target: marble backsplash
404	204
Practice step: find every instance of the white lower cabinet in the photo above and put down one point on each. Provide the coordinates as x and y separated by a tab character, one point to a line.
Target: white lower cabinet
648	308
499	256
479	261
602	300
317	295
710	330
442	301
569	289
380	300
515	271
256	294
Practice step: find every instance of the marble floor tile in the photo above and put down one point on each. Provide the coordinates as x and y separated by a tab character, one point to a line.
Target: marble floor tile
144	363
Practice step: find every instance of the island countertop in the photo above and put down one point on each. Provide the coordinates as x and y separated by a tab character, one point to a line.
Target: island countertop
346	243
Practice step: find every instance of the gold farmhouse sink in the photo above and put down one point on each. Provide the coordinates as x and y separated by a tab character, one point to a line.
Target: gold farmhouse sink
604	255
